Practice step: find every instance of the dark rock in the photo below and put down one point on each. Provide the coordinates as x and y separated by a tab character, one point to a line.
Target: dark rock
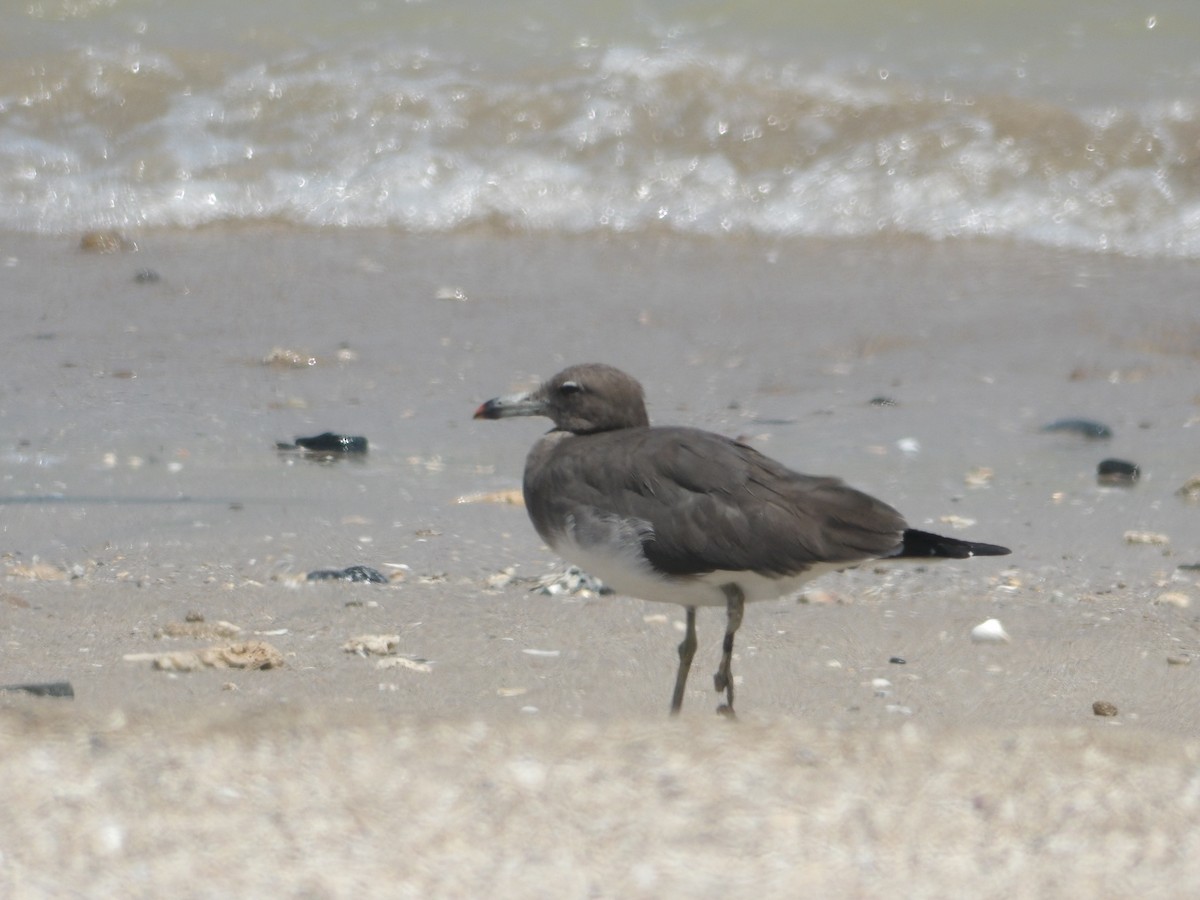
328	444
49	689
1096	431
1117	472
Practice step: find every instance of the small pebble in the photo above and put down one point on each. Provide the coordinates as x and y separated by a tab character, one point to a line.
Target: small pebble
1177	599
882	401
898	661
1104	708
1190	489
285	358
1179	660
989	631
1146	537
979	476
1117	472
1095	431
110	241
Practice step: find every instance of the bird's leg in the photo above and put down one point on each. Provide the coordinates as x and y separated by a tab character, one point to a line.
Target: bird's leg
735	603
687	649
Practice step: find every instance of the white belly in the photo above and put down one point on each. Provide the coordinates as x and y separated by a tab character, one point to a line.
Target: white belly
627	572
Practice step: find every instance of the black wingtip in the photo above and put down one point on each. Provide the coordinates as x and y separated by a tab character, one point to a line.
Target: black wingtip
924	544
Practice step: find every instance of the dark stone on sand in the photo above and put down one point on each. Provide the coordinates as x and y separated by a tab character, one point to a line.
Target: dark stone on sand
882	401
48	689
328	443
357	574
1117	472
1096	431
1104	708
898	661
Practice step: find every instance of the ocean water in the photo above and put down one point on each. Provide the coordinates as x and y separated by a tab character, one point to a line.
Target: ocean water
1070	124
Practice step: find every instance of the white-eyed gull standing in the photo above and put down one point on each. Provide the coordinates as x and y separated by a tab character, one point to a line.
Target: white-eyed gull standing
680	515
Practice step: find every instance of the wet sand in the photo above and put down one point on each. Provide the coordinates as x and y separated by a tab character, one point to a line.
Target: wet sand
141	486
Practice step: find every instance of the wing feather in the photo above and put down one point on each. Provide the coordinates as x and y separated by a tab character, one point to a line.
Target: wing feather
702	502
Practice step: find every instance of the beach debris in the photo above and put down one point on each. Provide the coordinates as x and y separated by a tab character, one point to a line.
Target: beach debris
105	241
404	662
882	401
372	644
428	463
501	579
353	574
957	522
44	689
1179	660
512	497
978	476
571	580
1117	472
244	655
38	571
1086	428
989	631
327	444
909	446
146	276
450	293
198	629
1186	567
898	661
1190	489
284	358
822	597
542	654
1178	599
1104	708
1146	537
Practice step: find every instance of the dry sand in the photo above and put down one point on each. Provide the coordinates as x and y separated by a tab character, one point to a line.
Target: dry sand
141	485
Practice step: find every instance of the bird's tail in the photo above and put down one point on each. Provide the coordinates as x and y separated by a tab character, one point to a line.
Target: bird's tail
923	544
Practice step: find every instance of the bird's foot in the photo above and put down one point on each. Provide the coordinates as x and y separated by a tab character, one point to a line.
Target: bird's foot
727	711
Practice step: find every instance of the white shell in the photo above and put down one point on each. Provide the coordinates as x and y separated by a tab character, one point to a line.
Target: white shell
989	632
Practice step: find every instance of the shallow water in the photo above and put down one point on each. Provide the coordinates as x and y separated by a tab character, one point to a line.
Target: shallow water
1070	127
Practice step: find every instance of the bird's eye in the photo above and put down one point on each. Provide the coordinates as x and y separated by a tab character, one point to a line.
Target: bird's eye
570	387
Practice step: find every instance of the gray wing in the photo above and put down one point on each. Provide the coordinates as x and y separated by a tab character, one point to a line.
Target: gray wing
700	502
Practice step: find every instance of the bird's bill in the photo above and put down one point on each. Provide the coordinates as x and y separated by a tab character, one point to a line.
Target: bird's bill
526	404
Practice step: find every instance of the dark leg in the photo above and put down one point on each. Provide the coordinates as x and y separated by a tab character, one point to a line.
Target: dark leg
735	603
687	649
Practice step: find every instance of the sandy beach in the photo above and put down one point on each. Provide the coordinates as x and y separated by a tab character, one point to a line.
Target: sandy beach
517	743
